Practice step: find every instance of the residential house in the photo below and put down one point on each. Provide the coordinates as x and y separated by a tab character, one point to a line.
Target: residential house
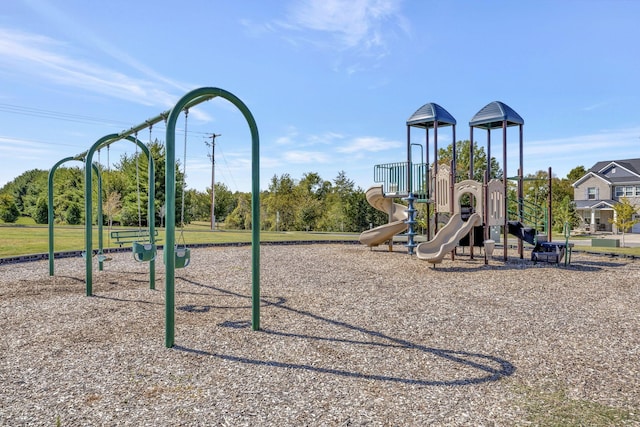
602	187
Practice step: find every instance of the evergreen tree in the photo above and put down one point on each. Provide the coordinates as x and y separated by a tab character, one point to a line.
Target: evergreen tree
8	209
576	173
26	189
74	214
41	215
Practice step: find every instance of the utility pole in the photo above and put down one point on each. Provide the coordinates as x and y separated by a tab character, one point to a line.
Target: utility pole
213	177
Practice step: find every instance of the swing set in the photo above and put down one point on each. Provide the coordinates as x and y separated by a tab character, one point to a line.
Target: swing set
176	254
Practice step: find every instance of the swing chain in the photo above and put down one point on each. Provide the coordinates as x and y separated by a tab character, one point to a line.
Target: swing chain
138	184
184	174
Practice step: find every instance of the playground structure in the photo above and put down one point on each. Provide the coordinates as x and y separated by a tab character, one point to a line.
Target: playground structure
441	189
174	255
397	214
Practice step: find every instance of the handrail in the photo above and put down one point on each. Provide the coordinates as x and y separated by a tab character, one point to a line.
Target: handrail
393	177
531	213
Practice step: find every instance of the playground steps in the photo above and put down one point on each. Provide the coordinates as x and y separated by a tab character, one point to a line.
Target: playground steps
525	233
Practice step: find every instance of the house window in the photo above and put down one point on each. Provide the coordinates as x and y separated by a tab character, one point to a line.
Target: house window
627	191
592	193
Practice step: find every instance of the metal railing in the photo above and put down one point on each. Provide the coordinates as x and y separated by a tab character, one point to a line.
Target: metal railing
393	177
532	214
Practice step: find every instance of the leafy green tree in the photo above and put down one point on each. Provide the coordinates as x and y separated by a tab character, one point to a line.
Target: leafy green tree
280	203
308	194
41	215
26	189
565	213
576	173
240	217
623	219
200	205
8	209
134	169
68	189
74	214
225	201
360	215
463	161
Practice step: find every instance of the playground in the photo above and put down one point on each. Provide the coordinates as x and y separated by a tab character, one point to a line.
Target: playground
325	334
350	336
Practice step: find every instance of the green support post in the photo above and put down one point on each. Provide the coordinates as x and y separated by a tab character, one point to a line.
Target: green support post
50	217
88	211
50	212
193	98
88	204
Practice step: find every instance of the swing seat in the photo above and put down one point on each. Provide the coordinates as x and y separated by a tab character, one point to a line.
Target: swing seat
182	257
144	252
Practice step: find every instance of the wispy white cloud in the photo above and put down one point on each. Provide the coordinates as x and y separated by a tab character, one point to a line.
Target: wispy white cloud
305	157
369	144
596	106
354	24
22	148
85	35
293	137
289	137
362	29
42	57
563	154
599	144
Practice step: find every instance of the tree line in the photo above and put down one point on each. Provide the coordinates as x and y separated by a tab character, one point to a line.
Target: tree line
309	203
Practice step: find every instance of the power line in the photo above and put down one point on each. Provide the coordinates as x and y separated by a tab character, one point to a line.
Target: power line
57	115
70	117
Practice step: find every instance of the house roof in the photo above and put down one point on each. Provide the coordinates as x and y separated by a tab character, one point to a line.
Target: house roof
594	204
630	165
590	174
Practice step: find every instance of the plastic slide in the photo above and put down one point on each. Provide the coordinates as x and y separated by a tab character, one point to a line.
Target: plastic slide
381	234
447	238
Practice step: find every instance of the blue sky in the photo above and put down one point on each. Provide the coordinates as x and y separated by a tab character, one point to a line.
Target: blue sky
330	83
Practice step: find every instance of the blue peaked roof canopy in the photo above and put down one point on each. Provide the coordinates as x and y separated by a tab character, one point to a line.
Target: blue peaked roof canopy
493	114
430	113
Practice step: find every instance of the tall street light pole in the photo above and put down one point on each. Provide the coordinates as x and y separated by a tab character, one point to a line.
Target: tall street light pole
213	177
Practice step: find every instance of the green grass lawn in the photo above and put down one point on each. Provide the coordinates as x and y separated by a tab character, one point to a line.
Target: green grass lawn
25	237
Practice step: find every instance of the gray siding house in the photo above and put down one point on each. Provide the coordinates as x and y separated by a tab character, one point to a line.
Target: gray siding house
602	187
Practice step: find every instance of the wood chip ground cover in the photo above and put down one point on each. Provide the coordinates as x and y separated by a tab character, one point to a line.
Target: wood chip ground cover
350	336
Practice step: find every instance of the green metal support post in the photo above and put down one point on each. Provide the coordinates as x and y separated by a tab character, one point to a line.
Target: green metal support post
50	217
50	211
88	203
191	99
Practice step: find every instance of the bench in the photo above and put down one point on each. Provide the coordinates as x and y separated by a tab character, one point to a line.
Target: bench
120	237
